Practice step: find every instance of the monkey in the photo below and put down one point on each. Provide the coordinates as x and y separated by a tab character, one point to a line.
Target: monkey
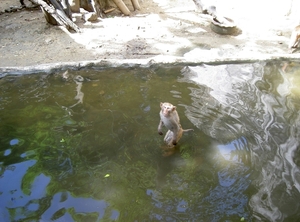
169	137
295	38
170	119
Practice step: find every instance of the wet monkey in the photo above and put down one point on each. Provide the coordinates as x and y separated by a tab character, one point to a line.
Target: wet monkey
170	119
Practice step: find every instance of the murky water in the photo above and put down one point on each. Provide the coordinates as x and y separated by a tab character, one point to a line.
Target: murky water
83	146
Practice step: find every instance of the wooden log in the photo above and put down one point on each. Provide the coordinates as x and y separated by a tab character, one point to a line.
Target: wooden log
60	9
199	5
56	11
67	8
96	7
109	10
136	4
50	19
122	7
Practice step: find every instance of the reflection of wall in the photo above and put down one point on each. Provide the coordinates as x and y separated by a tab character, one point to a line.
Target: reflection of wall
223	99
253	101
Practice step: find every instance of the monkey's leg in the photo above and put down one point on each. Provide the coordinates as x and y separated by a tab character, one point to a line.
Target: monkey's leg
174	140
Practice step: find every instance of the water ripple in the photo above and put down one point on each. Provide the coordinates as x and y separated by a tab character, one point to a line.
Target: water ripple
253	101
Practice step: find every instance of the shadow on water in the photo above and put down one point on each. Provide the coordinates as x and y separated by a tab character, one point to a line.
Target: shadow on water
84	145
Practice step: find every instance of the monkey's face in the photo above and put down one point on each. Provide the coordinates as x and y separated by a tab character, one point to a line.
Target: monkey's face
167	108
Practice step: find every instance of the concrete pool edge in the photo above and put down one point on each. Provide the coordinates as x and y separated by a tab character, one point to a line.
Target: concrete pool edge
142	63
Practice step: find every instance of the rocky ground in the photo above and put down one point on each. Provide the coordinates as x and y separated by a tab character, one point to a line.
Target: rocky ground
162	31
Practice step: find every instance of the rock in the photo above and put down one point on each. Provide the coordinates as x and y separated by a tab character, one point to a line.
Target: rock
91	16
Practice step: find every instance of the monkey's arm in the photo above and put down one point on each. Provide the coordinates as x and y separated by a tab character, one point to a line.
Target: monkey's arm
160	127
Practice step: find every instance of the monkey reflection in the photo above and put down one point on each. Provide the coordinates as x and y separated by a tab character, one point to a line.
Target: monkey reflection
165	165
170	119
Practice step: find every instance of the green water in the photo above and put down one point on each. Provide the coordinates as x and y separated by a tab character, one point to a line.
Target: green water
83	145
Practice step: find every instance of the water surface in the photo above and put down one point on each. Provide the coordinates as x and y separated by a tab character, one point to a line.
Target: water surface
83	145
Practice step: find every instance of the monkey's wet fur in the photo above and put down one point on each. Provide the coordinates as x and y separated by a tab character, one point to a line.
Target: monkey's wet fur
170	119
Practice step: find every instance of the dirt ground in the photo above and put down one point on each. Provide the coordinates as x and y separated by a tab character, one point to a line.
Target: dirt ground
162	31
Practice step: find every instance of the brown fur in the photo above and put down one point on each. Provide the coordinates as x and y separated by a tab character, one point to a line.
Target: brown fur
170	119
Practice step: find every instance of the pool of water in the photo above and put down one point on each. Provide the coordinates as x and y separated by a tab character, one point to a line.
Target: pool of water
83	145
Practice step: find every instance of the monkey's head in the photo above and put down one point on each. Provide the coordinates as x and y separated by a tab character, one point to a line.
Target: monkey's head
167	108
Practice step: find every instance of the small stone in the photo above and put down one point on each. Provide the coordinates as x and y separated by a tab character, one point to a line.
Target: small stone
92	16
